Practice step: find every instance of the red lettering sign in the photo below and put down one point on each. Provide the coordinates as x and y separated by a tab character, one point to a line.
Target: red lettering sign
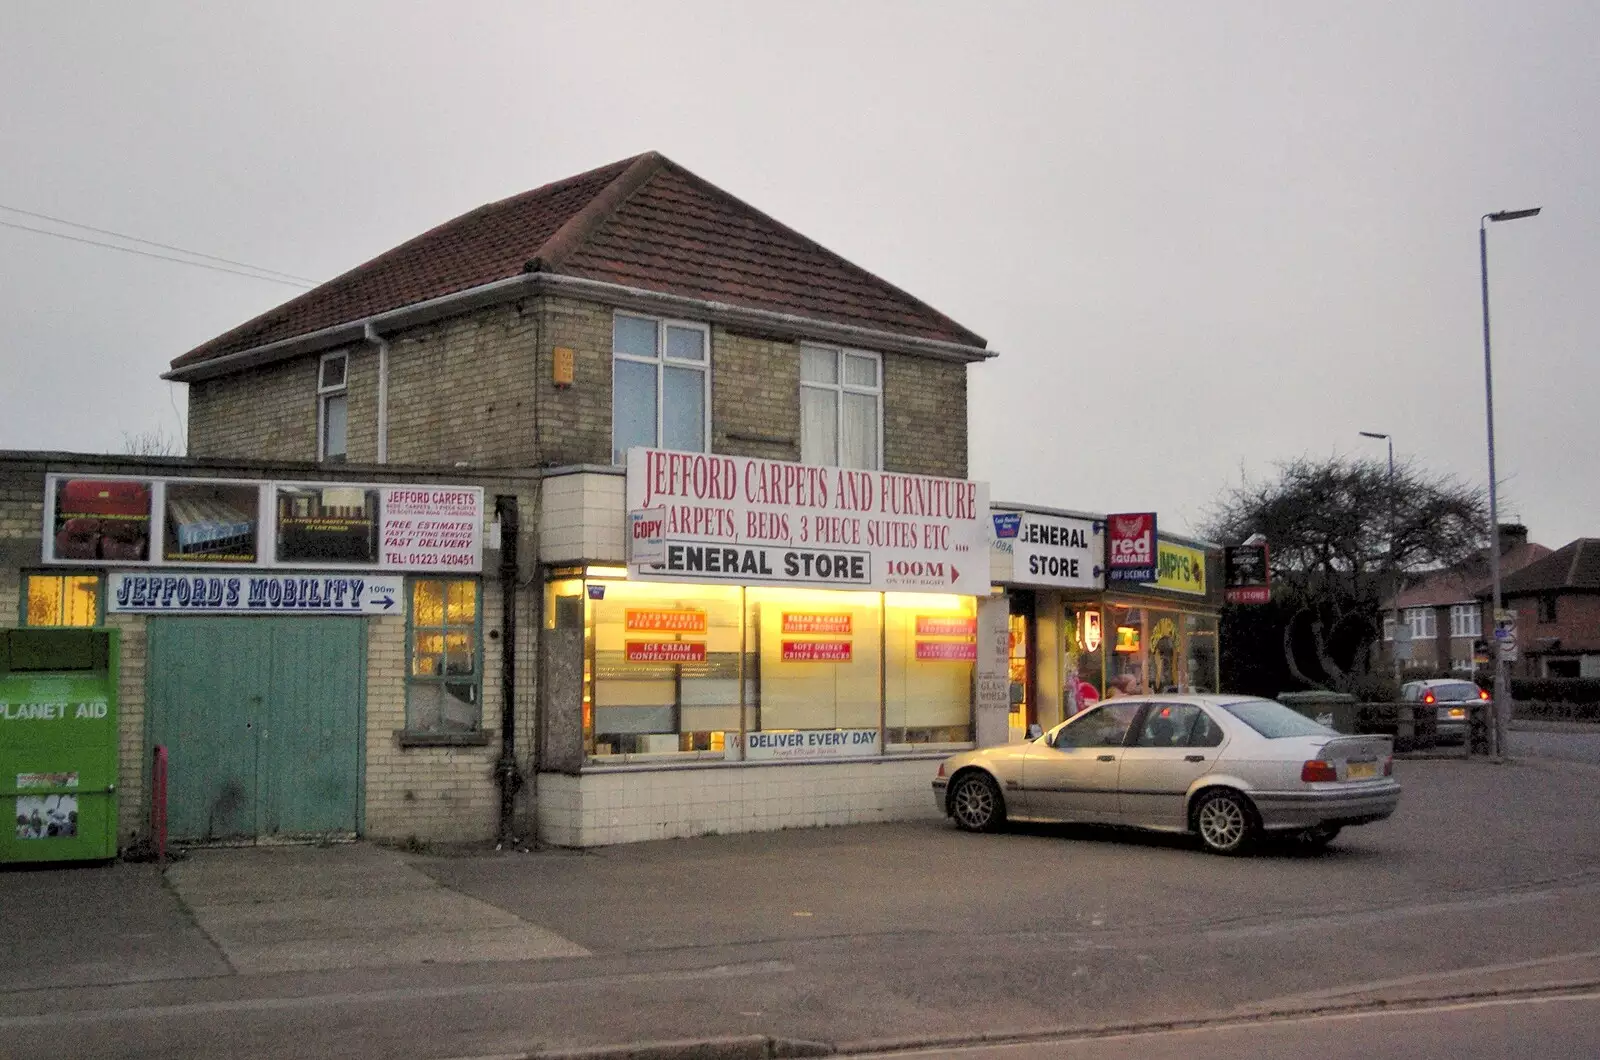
817	651
681	620
947	650
817	622
946	626
665	651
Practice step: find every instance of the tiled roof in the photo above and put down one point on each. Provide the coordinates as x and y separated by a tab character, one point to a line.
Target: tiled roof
643	222
1463	583
1572	566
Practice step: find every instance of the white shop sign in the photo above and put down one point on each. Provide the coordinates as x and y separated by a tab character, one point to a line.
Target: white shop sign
737	520
253	593
1054	551
805	745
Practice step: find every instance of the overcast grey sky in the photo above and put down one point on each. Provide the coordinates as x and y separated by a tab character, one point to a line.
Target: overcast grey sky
1203	237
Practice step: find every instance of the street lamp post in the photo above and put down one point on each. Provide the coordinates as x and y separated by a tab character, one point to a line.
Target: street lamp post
1497	732
1394	572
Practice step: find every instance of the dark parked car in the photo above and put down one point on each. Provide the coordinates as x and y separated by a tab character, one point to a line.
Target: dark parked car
1453	697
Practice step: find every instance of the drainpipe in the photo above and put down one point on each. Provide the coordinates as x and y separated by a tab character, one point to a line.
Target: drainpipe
370	334
505	510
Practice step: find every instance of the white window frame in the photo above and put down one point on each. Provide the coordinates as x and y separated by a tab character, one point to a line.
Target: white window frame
1466	621
1424	626
841	388
661	361
1388	627
324	394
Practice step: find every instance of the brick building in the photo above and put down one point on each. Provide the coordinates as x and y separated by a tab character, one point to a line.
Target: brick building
1444	610
797	651
1557	601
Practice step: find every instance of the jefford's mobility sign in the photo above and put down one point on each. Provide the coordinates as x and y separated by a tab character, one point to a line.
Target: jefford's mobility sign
254	593
769	522
1131	547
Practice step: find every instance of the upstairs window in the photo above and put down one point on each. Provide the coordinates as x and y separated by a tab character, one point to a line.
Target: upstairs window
841	408
1466	620
660	385
1547	608
333	408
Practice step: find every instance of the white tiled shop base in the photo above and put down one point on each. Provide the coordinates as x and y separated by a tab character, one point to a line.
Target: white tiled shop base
626	806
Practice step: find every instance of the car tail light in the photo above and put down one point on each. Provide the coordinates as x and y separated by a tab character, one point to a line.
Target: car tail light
1317	770
1427	697
1482	694
1388	766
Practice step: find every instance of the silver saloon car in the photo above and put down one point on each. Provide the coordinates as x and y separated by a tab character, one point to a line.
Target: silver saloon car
1230	769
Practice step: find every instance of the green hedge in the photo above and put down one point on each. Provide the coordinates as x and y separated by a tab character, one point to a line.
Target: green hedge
1546	710
1583	691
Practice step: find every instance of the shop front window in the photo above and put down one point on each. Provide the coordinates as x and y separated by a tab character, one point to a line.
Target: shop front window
445	676
1017	665
664	668
1128	634
932	649
1200	648
816	659
1083	653
1166	666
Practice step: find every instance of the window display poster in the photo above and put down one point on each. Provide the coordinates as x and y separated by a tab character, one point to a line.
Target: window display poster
665	620
830	651
211	522
327	524
664	651
102	519
432	527
817	622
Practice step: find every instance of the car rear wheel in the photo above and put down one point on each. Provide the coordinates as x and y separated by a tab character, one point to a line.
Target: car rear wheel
1226	822
976	804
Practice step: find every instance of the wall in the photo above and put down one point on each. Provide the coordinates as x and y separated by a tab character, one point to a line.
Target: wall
478	390
600	808
432	793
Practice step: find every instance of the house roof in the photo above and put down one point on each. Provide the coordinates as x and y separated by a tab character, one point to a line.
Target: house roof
1465	582
644	222
1574	566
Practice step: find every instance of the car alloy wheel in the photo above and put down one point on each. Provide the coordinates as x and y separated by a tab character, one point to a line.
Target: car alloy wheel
975	803
1224	822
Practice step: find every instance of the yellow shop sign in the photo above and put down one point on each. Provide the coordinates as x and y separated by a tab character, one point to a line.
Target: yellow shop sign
1180	569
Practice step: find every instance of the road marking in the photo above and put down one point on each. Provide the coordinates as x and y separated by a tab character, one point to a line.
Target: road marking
372	997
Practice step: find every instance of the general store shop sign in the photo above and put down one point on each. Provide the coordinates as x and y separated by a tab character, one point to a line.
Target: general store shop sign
768	522
1051	550
211	523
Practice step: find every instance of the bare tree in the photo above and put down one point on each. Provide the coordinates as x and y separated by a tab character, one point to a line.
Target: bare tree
1341	535
151	443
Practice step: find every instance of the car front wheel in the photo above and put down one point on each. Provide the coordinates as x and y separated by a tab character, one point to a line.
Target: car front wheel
1226	822
975	803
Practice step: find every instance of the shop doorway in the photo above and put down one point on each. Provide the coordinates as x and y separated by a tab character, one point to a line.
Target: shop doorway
1020	662
261	718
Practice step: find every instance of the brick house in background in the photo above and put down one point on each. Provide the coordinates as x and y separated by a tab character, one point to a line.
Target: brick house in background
1557	601
525	347
1444	610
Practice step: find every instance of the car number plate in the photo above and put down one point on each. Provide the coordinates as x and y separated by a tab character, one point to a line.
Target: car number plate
1358	770
1457	713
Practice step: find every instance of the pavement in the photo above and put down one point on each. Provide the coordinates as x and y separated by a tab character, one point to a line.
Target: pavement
1484	884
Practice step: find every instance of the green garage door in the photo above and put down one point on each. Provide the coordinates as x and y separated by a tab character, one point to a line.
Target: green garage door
261	718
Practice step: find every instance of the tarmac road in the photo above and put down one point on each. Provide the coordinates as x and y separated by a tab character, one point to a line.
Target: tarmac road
1486	881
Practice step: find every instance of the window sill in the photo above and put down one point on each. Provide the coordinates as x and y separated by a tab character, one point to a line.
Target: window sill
443	739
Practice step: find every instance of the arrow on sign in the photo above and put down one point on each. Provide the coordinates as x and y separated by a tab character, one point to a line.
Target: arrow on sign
388	602
954	574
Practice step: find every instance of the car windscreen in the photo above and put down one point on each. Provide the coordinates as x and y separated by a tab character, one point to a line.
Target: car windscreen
1274	720
1455	691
